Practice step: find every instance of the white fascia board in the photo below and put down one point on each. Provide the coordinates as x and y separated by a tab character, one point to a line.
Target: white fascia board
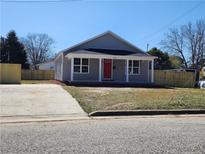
105	56
61	54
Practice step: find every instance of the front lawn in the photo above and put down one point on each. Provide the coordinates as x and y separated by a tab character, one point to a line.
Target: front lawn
95	98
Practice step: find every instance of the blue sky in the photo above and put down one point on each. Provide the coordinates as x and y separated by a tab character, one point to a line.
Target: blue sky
70	22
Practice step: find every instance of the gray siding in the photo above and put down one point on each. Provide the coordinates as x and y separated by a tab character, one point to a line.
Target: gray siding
58	71
119	74
150	76
143	76
105	42
66	69
119	70
93	72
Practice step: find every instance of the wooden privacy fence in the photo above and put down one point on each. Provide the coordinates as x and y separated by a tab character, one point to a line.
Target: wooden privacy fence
175	79
37	74
10	73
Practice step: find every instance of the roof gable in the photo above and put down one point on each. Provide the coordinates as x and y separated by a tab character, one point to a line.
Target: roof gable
107	40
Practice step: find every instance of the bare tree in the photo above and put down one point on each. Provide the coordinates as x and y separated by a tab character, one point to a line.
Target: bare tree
174	43
195	37
188	42
38	48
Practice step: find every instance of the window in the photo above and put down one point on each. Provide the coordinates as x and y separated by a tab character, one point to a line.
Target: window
81	65
134	67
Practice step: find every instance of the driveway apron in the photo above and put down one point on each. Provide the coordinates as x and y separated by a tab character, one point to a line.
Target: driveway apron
37	100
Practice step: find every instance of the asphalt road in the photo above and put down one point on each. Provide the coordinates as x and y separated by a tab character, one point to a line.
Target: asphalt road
133	135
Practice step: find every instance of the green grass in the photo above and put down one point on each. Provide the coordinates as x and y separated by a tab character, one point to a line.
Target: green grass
98	98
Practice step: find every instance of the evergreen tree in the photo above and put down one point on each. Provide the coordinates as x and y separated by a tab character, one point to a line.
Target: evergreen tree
3	52
162	62
13	50
176	61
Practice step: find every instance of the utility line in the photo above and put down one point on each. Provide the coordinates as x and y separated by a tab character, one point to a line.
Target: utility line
154	34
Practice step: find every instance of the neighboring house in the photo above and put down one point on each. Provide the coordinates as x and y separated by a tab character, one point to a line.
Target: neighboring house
104	58
49	65
203	70
202	73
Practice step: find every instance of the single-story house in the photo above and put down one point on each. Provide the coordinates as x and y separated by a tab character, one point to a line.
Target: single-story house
104	58
48	65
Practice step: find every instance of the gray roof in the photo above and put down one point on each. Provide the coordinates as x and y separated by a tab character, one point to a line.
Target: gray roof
111	52
139	52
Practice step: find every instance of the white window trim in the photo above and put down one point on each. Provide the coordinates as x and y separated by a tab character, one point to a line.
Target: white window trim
81	66
133	67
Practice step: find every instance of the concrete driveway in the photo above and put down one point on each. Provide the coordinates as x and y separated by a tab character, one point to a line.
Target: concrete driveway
37	100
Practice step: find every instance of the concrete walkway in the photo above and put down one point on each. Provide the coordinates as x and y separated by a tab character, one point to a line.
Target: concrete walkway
38	100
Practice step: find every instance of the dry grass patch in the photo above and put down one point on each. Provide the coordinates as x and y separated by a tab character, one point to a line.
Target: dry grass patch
42	82
95	98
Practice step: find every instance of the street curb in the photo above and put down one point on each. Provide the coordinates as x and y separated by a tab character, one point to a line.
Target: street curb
145	112
31	120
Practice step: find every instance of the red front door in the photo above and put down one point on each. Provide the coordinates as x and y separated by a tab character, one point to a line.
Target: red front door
107	69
